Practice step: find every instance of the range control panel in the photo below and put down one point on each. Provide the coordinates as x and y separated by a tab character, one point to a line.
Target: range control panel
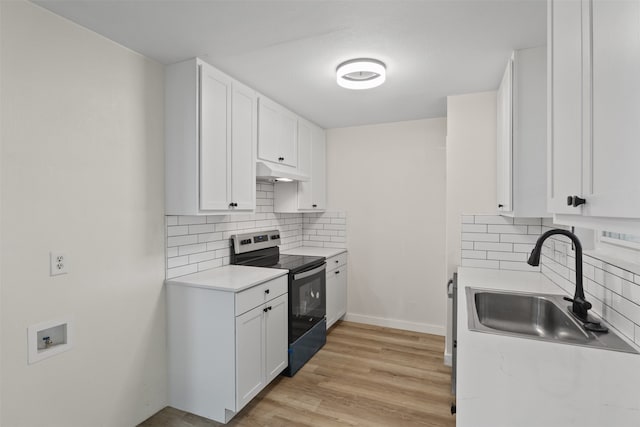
253	241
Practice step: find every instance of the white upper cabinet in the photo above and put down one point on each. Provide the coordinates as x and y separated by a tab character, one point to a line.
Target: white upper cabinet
504	135
306	195
614	187
210	141
594	110
565	37
521	135
277	134
244	130
215	138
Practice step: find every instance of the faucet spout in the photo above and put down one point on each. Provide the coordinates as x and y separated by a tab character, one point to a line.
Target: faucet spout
580	305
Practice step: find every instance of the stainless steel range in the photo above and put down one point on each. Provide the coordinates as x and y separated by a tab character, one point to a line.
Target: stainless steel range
307	286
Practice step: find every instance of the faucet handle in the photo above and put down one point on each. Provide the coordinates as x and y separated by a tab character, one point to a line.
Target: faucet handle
580	301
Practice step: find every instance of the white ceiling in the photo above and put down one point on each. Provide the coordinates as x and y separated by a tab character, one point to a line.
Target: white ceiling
289	50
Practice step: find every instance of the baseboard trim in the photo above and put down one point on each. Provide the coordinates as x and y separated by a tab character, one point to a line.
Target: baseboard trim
448	361
396	324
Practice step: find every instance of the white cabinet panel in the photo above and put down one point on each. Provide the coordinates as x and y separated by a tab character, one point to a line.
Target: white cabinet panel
565	104
341	291
269	128
615	152
289	141
521	135
249	355
277	133
336	288
505	140
244	135
319	169
332	298
276	337
215	122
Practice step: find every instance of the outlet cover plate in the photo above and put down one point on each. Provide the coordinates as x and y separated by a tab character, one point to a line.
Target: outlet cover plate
58	263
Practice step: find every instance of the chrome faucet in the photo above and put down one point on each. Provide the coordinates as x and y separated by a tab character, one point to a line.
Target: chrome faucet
580	305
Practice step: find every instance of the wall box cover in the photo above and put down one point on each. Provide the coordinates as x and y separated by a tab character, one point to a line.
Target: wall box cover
49	338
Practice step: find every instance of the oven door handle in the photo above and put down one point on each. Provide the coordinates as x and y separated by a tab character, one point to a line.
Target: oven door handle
309	273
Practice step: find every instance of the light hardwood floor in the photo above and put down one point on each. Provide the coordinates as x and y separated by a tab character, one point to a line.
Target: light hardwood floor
364	376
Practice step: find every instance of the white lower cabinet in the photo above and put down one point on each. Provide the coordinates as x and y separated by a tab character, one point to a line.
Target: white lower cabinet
336	288
224	346
261	347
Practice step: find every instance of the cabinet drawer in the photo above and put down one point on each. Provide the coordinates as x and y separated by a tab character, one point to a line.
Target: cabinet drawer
259	294
336	261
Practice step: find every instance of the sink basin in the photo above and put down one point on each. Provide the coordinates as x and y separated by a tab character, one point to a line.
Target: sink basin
536	316
533	315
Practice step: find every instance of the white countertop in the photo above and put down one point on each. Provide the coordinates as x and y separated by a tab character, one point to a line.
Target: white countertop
313	251
507	381
230	278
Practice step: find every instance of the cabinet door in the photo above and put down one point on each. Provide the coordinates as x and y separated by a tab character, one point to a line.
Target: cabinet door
250	360
215	139
505	140
319	168
332	297
305	188
276	337
613	181
289	138
565	32
269	128
243	145
341	291
312	145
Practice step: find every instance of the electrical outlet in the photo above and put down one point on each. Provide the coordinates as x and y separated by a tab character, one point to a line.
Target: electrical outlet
58	263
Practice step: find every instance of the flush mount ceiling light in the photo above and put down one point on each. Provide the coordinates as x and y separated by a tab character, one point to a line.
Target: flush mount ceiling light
361	73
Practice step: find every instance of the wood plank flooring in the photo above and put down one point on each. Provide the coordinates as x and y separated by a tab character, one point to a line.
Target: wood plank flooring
364	376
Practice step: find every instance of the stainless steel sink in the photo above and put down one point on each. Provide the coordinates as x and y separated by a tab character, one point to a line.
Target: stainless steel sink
536	316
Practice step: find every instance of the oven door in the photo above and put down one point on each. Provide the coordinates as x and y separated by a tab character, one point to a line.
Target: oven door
307	300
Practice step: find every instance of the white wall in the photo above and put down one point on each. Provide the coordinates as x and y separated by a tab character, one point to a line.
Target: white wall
471	169
82	172
390	179
471	164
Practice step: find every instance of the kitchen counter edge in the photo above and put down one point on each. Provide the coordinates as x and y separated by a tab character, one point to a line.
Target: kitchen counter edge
230	278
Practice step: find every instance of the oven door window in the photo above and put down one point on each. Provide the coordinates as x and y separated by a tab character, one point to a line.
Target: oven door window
308	304
309	299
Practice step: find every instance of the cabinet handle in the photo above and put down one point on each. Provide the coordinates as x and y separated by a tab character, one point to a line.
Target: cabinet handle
265	309
269	308
314	206
338	272
575	201
235	205
231	205
266	291
280	158
500	206
337	261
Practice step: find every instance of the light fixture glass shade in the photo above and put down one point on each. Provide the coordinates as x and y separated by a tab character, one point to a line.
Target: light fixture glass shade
361	73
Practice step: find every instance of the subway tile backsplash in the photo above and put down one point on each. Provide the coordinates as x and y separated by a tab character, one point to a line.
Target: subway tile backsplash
494	241
198	243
